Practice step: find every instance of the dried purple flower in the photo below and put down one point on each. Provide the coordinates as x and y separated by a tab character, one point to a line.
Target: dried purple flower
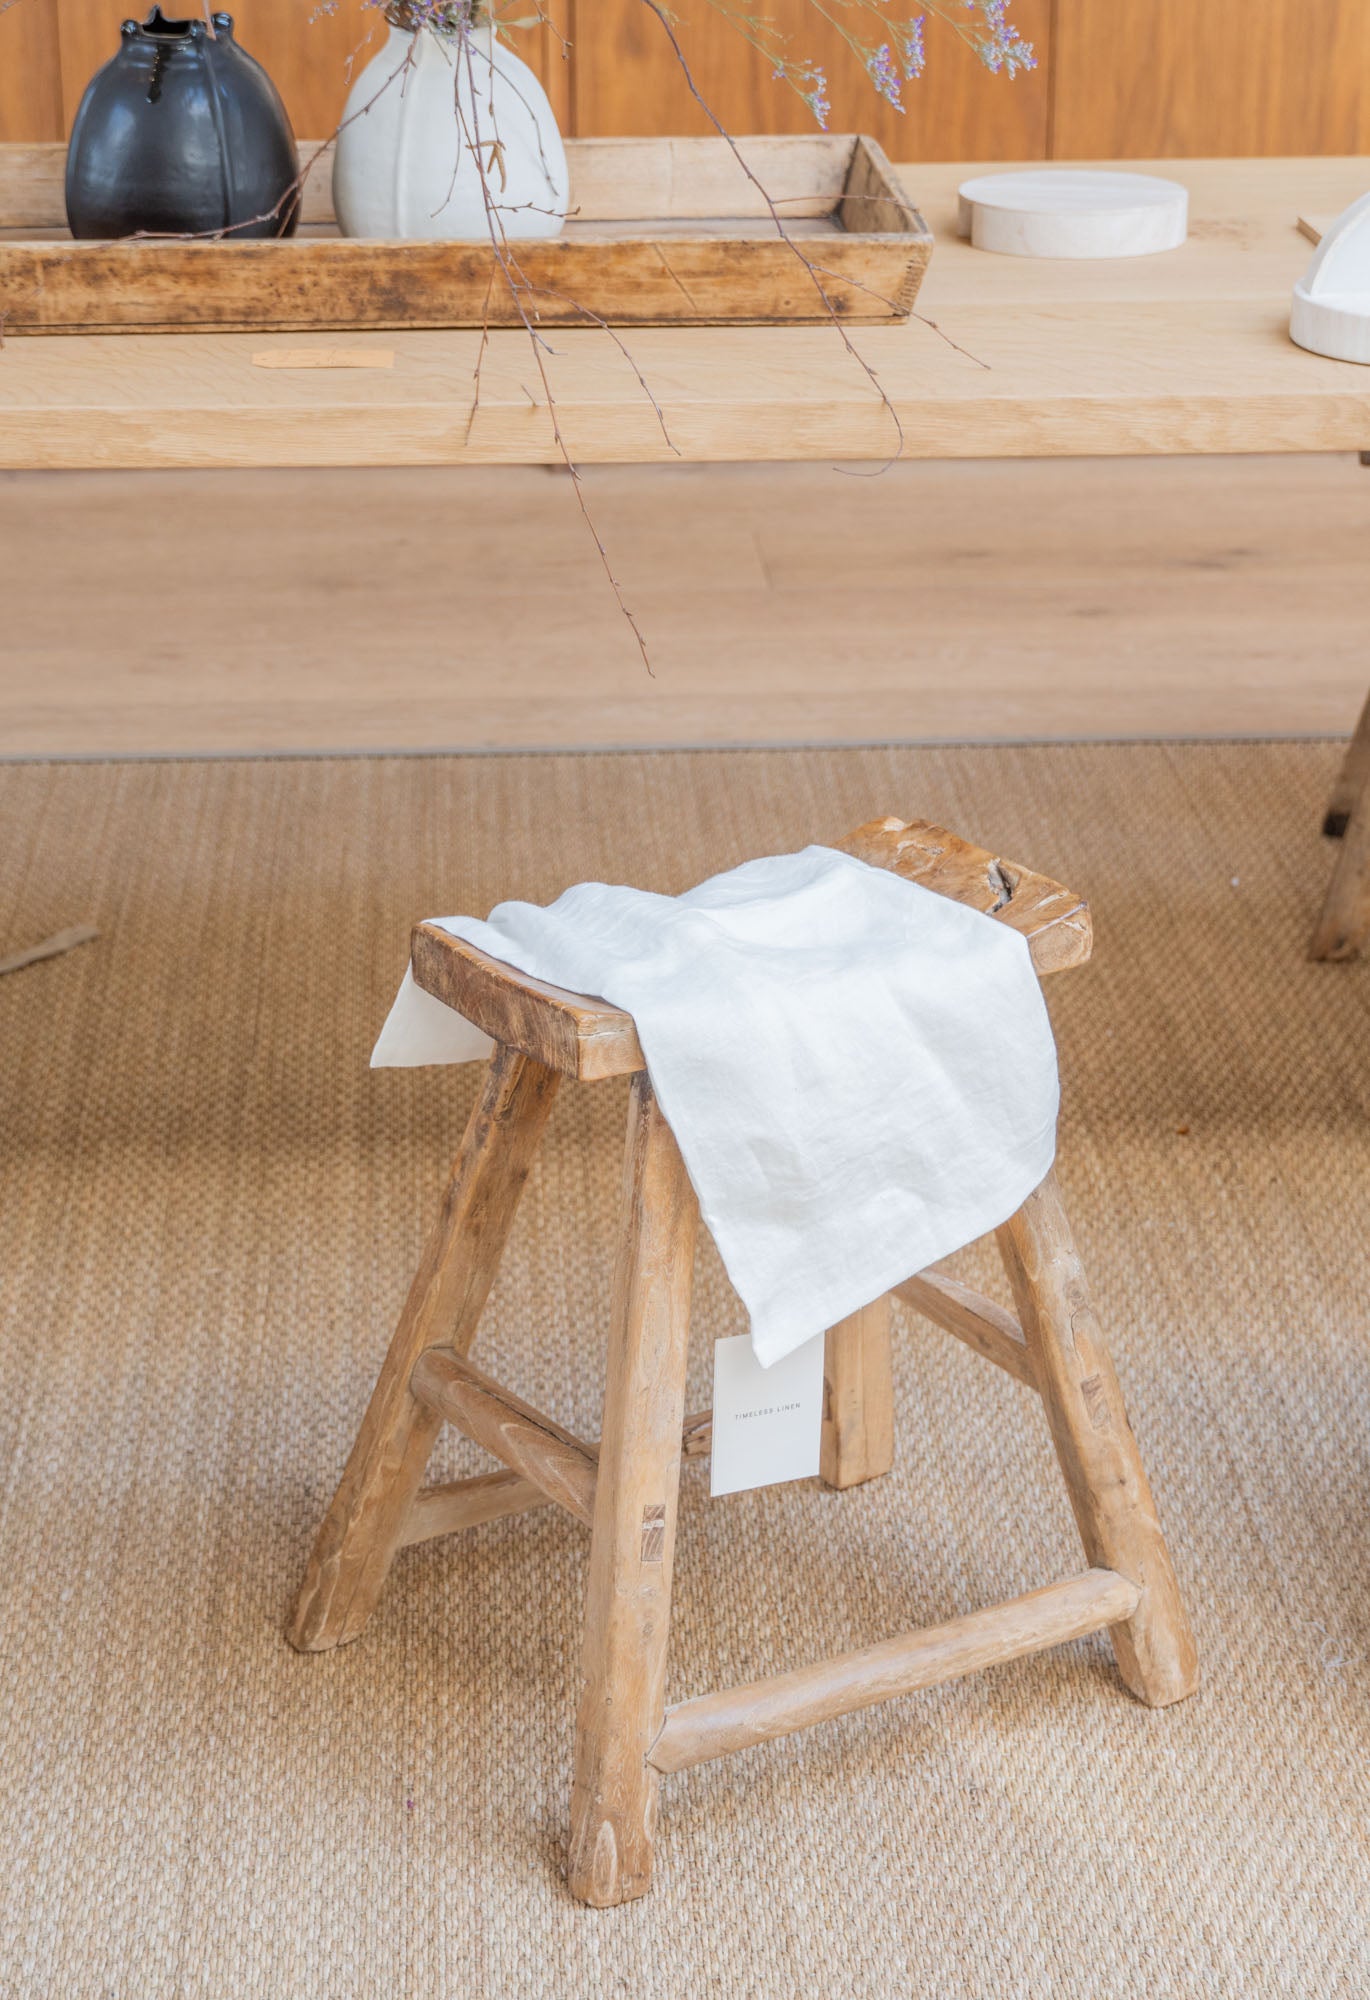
884	75
816	97
1001	47
911	48
444	17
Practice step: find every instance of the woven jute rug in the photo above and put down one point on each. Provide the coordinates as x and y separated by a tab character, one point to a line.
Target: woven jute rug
209	1211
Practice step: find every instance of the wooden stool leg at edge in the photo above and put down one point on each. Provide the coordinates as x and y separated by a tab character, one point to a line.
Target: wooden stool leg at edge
858	1398
1351	779
1344	923
628	1599
361	1531
1098	1453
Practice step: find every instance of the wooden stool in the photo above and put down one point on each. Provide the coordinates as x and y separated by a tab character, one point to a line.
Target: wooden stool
1344	923
624	1487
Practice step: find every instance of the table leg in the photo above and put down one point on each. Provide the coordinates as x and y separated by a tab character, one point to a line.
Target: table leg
1345	921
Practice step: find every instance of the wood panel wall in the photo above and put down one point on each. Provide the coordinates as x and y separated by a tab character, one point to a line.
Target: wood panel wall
628	79
1146	78
1211	77
30	73
50	49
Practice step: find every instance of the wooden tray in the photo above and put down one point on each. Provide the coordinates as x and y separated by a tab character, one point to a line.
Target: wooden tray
663	232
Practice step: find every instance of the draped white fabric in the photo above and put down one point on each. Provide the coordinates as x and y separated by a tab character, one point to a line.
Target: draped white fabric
860	1073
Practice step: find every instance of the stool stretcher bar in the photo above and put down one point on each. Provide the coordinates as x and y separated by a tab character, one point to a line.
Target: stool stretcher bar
489	1496
563	1466
715	1725
543	1462
542	1457
466	1503
984	1326
548	1464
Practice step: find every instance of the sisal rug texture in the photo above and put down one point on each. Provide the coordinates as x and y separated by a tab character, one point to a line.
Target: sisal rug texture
209	1211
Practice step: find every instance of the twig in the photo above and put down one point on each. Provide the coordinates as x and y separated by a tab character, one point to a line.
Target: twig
547	292
53	947
518	286
865	366
480	361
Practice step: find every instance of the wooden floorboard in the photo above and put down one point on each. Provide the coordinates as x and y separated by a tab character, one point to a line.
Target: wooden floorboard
233	612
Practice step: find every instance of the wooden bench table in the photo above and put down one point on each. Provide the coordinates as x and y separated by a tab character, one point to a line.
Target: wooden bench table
1186	352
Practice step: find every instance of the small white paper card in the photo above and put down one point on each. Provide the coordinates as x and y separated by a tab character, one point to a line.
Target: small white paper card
768	1422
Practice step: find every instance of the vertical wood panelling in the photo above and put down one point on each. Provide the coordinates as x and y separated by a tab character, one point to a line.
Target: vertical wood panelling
628	80
50	49
1153	78
1170	77
550	51
308	53
30	72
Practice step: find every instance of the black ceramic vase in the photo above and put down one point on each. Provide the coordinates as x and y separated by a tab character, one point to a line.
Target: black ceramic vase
181	133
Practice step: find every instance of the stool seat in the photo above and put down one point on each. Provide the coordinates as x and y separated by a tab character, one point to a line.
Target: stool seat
623	1485
583	1037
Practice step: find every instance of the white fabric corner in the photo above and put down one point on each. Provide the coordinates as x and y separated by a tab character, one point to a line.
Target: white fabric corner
420	1030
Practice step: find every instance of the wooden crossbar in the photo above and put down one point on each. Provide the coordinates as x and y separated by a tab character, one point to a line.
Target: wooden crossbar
465	1503
979	1322
562	1465
697	1435
543	1463
714	1725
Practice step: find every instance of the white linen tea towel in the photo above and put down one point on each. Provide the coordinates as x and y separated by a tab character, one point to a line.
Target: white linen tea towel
860	1073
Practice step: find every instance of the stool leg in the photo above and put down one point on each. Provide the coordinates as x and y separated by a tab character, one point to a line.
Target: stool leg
1351	779
1103	1469
1344	923
361	1531
628	1601
858	1398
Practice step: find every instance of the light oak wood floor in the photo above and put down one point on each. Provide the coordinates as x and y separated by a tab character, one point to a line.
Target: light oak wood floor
233	612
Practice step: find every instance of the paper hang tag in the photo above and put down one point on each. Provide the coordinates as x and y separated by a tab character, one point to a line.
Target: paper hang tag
768	1422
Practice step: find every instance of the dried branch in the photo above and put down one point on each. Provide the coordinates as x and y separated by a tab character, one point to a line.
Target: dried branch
865	366
518	286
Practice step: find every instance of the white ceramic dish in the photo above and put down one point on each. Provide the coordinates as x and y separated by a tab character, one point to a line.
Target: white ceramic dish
1073	212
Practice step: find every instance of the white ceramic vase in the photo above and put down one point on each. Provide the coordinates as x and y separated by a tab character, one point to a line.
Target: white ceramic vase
405	164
